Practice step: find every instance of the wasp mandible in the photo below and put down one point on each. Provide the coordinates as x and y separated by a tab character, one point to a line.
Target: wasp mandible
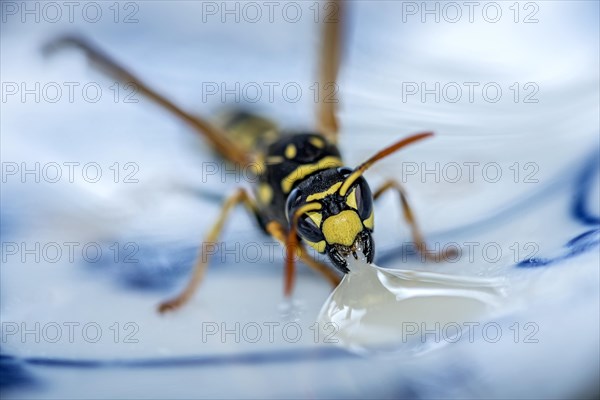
303	189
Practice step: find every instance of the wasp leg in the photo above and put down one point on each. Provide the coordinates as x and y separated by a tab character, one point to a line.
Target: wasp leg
327	122
212	133
276	230
240	197
414	227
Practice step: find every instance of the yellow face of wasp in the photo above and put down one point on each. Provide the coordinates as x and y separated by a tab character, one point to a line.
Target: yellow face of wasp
342	228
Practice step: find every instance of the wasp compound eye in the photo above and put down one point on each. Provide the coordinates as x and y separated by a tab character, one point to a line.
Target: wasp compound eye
360	198
308	226
293	202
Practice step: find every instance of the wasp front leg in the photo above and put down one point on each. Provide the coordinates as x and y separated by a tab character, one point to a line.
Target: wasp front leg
281	234
414	227
240	197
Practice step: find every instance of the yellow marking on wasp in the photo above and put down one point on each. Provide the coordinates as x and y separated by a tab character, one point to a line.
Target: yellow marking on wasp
290	151
258	165
243	137
271	135
351	199
319	246
321	195
265	193
274	160
317	142
369	222
304	170
349	181
316	217
342	228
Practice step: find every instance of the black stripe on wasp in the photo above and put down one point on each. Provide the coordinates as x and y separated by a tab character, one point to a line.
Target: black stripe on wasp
303	189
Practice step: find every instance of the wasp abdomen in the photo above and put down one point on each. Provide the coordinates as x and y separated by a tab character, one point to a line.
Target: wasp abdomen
250	131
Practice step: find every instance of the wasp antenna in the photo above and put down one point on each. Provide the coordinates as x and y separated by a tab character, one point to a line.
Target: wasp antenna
358	171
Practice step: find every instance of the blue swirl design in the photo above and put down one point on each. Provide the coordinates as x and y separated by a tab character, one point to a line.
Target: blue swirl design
587	240
584	185
13	374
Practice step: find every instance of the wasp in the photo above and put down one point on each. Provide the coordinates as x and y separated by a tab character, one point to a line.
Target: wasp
304	195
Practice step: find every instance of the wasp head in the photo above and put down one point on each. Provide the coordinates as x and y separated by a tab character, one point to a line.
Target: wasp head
333	218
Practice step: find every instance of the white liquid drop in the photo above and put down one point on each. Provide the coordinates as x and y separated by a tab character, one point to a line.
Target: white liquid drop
382	309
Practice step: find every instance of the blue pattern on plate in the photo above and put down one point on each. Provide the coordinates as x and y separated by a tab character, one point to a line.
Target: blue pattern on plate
13	373
587	240
584	186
